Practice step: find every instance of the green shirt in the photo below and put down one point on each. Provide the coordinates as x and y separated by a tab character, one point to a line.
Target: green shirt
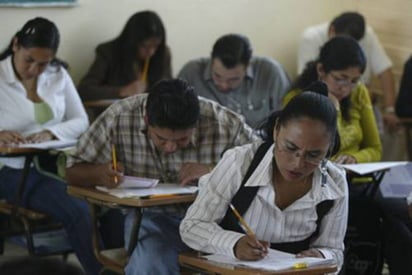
359	136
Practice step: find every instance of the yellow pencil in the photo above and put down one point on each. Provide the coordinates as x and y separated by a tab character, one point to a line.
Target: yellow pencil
114	162
249	231
145	71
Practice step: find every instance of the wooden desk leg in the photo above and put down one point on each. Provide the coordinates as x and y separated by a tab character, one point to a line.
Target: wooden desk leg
135	230
22	184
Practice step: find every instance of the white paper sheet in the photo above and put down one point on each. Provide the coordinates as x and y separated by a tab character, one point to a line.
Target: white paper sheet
137	182
160	189
275	260
51	144
369	167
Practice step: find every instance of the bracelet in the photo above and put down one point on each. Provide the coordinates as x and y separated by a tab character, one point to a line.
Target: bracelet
390	109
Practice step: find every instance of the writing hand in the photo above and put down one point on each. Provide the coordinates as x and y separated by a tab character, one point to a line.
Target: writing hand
107	175
191	172
10	137
44	135
135	87
249	249
313	252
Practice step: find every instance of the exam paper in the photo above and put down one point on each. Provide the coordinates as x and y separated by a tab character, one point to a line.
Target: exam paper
160	189
51	144
369	167
137	182
274	261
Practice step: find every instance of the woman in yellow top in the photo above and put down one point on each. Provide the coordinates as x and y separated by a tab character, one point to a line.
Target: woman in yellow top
340	65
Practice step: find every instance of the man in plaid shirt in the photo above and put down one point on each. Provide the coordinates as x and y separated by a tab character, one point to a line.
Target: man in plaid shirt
169	134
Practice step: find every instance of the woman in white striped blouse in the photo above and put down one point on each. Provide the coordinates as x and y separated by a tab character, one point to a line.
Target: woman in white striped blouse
299	201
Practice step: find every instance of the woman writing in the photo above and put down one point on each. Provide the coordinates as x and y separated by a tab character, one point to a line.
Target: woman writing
340	65
299	201
131	63
38	102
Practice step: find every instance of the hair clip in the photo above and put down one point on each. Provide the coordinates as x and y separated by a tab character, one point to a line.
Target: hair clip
323	172
30	31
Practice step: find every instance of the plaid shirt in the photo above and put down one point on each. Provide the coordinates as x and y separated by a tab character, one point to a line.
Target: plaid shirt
122	124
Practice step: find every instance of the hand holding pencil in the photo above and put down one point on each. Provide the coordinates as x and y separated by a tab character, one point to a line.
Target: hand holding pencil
248	247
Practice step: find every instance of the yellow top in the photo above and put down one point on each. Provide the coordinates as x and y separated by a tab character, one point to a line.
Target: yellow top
359	137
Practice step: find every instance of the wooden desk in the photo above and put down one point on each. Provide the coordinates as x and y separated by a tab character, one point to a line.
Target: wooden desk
96	198
24	215
28	153
407	124
193	261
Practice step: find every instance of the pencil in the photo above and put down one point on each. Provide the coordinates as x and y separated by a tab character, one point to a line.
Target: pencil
145	71
249	231
114	162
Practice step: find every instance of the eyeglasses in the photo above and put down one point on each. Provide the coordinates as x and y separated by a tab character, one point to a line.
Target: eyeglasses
344	82
291	151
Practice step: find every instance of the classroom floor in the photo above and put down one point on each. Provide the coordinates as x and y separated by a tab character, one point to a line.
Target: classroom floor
13	251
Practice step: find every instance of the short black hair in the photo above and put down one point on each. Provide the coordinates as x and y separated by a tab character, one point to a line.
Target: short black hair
172	104
350	23
232	49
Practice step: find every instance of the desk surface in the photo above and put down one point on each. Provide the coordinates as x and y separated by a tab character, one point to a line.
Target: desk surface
191	260
17	151
94	194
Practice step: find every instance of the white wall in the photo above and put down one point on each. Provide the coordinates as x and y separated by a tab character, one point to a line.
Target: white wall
273	26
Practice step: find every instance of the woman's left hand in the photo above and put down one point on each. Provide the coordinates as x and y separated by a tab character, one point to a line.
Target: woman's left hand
345	159
313	252
40	137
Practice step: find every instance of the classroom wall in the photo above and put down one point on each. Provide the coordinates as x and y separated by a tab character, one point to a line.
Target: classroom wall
392	22
273	26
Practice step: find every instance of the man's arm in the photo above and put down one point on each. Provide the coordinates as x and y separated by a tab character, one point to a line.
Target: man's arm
388	87
88	175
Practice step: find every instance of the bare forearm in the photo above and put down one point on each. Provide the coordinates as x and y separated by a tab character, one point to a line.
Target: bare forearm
82	174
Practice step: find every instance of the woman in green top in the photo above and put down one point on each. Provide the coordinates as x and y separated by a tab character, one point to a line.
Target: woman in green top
340	65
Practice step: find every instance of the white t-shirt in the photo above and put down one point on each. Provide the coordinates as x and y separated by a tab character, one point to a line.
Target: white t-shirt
314	37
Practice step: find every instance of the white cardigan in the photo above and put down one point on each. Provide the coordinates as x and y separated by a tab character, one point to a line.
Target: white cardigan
56	88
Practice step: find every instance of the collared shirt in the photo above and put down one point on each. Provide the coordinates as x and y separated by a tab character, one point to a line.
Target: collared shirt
123	125
200	230
259	94
315	37
55	87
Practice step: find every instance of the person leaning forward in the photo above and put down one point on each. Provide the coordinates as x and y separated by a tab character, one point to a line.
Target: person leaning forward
169	134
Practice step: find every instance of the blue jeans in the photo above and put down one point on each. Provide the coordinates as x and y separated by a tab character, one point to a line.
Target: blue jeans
48	195
158	246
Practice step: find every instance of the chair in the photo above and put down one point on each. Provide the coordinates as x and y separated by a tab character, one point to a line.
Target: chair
20	220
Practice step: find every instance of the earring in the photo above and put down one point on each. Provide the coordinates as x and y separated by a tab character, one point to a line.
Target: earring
323	172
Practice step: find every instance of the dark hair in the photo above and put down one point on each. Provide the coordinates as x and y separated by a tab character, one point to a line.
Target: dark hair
37	33
339	53
350	23
312	103
172	104
38	266
140	27
232	49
